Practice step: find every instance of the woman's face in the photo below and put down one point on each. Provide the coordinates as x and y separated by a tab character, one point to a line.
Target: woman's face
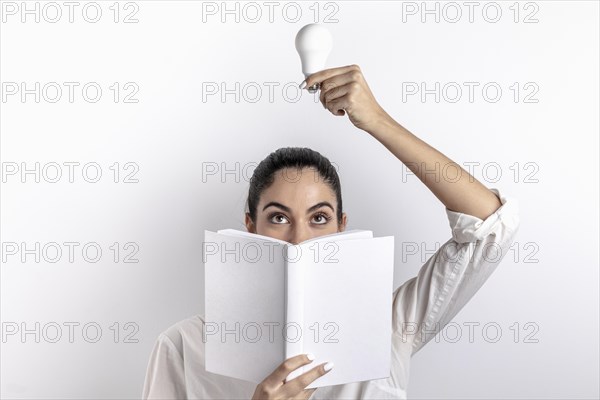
298	206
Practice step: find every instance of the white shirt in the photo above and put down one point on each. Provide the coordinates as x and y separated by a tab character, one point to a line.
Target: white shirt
444	284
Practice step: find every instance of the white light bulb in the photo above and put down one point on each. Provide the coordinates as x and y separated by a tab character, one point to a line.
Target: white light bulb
313	43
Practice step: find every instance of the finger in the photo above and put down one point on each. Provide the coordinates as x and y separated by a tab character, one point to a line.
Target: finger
332	85
338	106
297	384
338	92
284	369
320	76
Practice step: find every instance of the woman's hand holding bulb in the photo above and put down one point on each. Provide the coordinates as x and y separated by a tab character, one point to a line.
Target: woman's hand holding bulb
345	90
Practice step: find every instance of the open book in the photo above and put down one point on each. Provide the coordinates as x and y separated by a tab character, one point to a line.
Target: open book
267	300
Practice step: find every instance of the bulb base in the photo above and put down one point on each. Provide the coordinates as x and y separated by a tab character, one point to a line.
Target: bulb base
314	88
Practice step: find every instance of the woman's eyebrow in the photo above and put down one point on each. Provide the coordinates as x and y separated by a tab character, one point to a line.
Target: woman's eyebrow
287	209
319	205
276	204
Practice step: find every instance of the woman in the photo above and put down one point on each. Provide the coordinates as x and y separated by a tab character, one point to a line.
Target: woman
303	207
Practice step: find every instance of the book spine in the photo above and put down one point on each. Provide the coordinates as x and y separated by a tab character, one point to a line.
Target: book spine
293	335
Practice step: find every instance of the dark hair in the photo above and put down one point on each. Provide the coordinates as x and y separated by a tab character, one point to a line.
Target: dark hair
289	157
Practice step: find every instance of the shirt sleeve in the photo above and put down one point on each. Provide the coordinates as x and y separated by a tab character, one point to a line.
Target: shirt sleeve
165	377
423	305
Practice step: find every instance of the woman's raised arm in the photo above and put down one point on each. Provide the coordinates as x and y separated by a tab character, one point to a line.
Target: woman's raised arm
345	90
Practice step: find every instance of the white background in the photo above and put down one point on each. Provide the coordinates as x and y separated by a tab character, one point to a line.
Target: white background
172	134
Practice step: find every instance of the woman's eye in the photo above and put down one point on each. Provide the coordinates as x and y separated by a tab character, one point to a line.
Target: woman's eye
320	219
323	219
274	216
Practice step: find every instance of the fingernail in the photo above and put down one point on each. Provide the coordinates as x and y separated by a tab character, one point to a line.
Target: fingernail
303	84
328	366
310	356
